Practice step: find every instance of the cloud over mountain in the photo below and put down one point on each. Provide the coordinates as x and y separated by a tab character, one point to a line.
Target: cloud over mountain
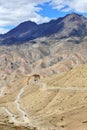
3	30
13	12
70	5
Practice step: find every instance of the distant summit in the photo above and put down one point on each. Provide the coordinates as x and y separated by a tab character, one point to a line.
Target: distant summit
20	29
67	26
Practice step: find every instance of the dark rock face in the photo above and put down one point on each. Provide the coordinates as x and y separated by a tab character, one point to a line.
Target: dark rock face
21	29
68	26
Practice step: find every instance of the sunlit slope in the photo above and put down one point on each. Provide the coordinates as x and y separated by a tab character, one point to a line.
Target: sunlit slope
50	108
76	77
56	108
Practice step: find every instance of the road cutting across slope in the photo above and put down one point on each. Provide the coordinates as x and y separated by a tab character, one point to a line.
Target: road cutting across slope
82	89
25	117
24	114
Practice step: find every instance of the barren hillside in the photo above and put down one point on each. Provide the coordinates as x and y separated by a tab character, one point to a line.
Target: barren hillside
55	102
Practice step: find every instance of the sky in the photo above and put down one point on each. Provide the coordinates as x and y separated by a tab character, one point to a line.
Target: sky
14	12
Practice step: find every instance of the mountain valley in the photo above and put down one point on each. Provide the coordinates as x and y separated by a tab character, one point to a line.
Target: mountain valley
43	75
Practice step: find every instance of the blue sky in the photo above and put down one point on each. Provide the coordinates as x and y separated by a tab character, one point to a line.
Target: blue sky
14	12
48	11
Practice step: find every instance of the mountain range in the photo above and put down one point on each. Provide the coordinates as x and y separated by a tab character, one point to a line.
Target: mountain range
52	47
70	25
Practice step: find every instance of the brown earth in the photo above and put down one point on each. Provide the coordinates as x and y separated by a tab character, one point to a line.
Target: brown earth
49	107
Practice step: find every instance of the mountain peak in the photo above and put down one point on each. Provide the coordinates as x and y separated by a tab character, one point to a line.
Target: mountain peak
74	20
27	23
74	15
21	28
71	25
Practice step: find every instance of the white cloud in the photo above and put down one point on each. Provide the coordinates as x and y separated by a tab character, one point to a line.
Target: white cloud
70	5
3	30
13	12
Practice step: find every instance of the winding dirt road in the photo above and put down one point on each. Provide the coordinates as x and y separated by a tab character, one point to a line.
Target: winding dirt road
13	118
24	114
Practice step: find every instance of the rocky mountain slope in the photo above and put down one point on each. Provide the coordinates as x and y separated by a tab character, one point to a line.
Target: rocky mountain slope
70	25
52	47
53	56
